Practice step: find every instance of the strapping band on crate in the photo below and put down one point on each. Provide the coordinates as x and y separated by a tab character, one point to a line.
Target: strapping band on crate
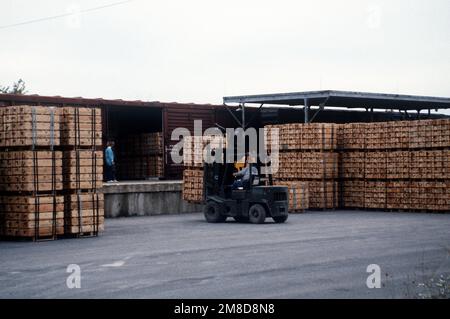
78	183
36	191
52	128
302	200
294	195
94	176
324	173
80	210
52	148
33	127
77	128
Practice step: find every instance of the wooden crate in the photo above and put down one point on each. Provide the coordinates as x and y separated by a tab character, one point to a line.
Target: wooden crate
140	167
323	194
298	195
430	164
307	165
352	136
135	145
83	169
27	125
313	136
196	148
31	216
193	185
430	195
84	213
353	194
28	171
398	195
375	195
375	137
290	166
81	127
398	165
397	134
375	165
319	165
352	165
140	156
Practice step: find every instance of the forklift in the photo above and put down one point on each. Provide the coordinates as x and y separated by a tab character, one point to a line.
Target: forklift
253	202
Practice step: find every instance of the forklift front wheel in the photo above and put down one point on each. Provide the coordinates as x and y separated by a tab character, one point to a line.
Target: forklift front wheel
212	213
257	214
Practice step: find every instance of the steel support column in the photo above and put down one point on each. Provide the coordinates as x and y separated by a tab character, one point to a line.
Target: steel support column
306	111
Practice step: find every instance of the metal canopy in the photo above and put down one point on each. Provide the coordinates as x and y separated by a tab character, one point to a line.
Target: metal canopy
346	99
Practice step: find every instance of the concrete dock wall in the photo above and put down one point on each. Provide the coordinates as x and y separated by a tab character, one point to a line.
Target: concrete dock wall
145	198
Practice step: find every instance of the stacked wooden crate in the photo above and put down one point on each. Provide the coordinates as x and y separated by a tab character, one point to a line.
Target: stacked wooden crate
307	165
153	147
308	153
81	141
140	156
298	195
352	165
406	165
192	191
351	136
195	150
352	193
30	173
307	137
192	185
375	194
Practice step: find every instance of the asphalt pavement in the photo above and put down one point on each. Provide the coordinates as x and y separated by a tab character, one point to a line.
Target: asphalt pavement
312	255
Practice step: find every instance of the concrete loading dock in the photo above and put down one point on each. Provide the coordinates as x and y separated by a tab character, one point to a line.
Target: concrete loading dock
145	198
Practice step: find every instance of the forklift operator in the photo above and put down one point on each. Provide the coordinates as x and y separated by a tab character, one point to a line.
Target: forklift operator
242	178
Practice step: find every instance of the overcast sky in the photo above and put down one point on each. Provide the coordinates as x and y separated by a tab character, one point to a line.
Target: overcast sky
202	50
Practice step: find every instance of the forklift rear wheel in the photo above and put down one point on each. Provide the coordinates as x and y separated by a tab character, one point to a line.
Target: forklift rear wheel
280	219
257	214
241	219
212	213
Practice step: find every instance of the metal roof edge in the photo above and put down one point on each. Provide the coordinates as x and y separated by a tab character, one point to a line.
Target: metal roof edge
279	97
35	98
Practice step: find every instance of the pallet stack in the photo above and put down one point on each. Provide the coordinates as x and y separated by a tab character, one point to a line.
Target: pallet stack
195	148
81	135
351	136
298	196
30	173
401	166
192	191
308	153
140	156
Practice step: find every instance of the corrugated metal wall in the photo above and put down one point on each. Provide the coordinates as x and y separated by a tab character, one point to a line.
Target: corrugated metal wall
183	115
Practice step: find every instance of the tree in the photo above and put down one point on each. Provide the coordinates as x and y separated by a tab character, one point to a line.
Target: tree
17	88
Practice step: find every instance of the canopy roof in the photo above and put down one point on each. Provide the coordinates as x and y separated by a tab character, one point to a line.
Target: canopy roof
346	99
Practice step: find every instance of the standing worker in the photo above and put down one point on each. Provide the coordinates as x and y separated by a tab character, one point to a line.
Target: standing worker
110	173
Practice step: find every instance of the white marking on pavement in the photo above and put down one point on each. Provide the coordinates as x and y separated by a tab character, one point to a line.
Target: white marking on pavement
118	263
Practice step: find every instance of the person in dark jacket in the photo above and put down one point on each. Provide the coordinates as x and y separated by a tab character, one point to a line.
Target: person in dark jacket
110	169
242	178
